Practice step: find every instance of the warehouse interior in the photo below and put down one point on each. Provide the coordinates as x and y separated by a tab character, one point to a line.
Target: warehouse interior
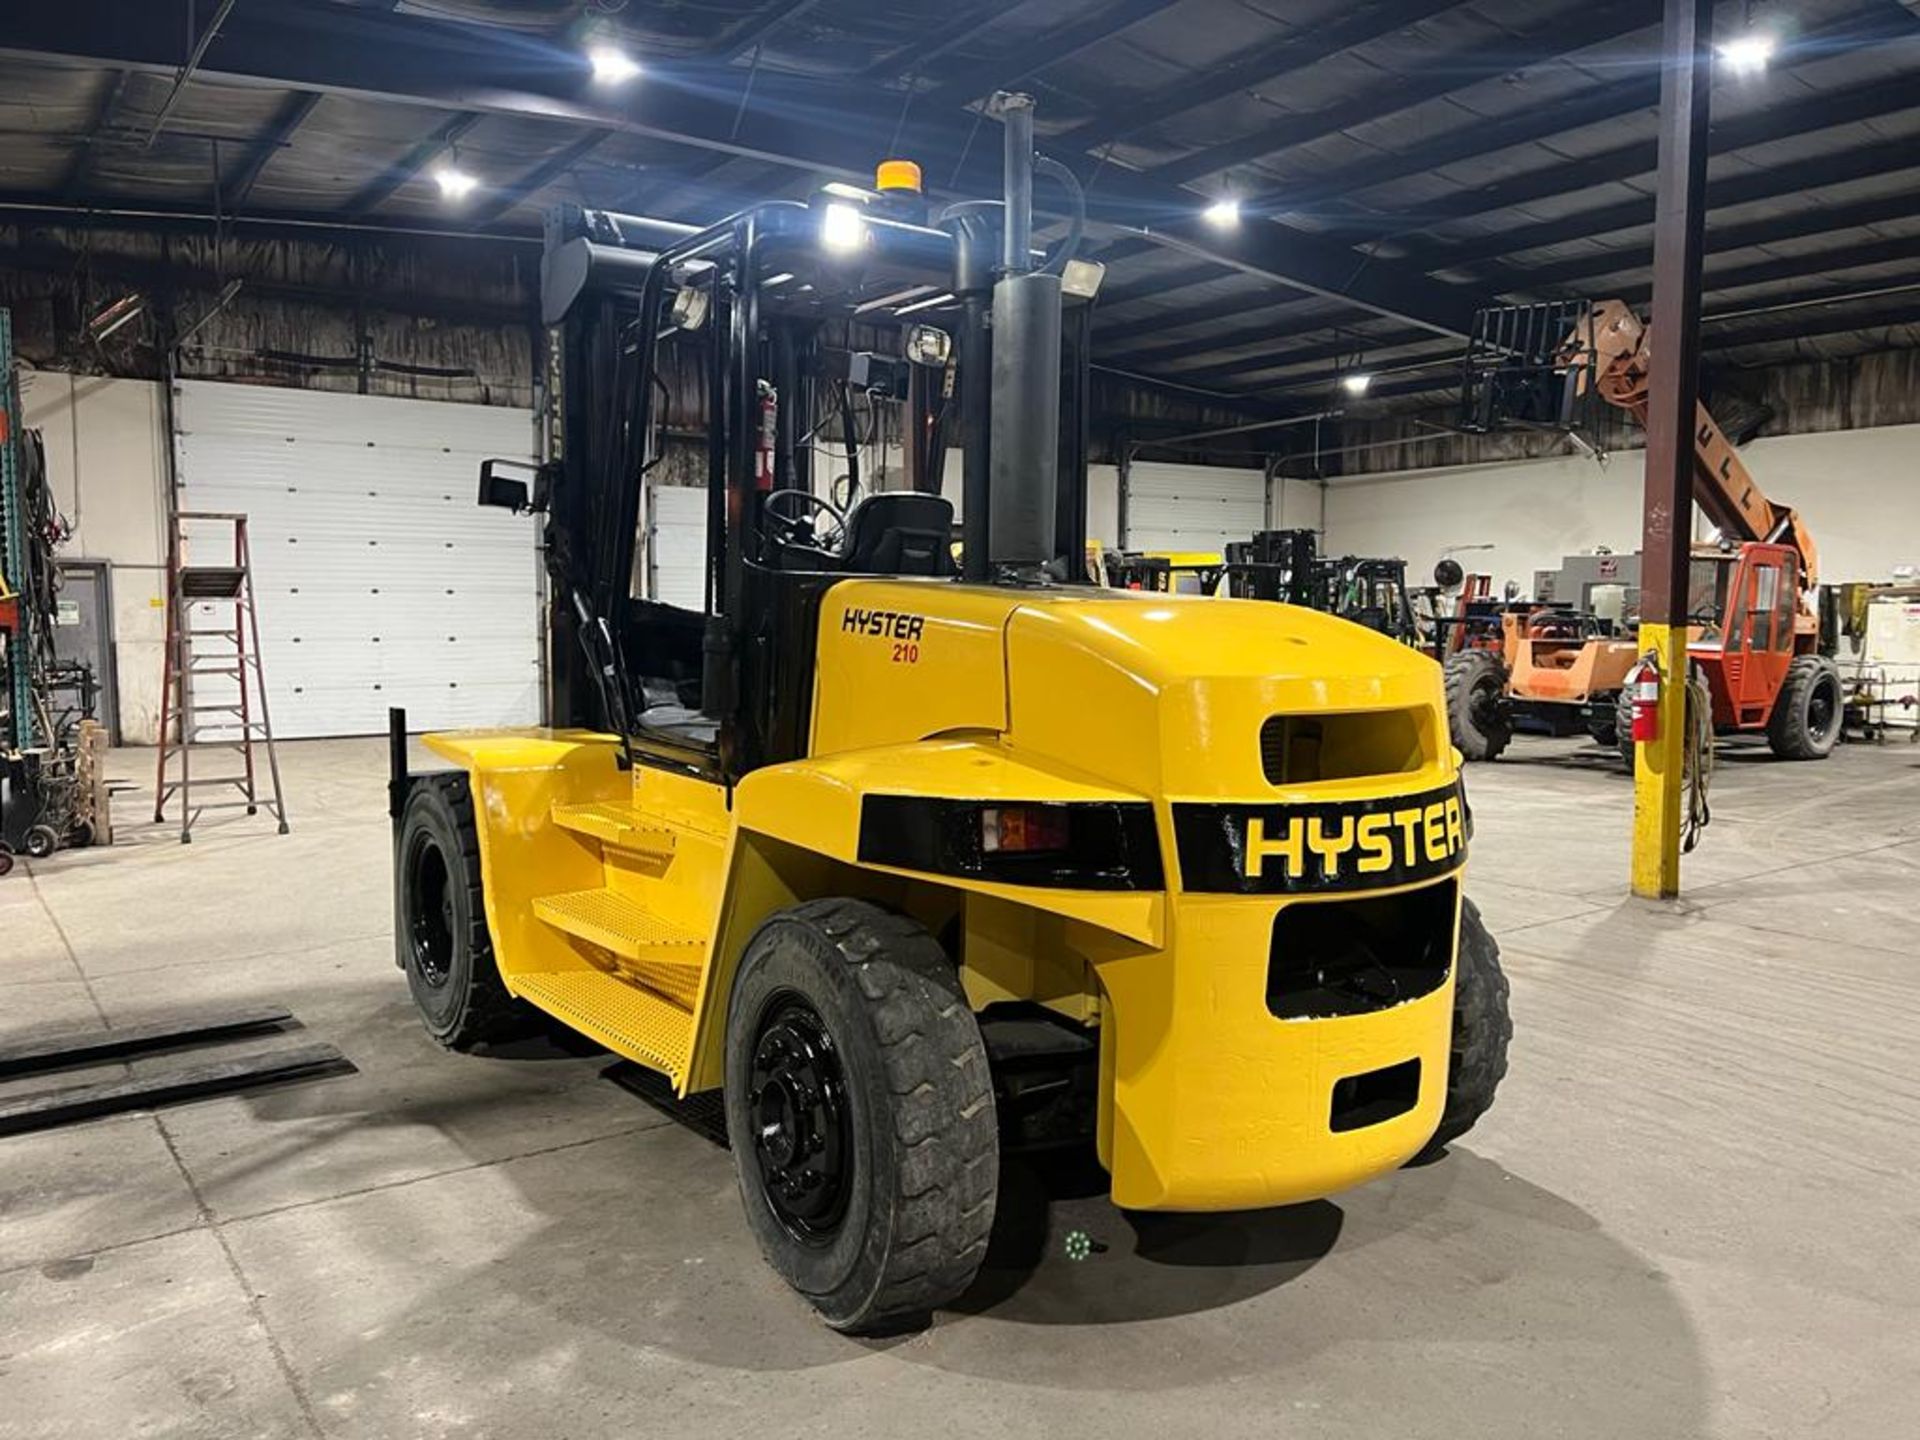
1086	625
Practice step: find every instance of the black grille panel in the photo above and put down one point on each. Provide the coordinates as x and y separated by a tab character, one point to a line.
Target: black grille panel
1300	749
1354	956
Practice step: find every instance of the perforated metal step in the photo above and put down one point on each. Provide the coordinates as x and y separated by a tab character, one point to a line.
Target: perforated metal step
612	823
620	926
635	1023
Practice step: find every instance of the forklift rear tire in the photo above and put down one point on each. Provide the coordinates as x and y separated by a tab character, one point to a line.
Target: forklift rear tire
1809	710
1477	713
1482	1027
861	1114
444	944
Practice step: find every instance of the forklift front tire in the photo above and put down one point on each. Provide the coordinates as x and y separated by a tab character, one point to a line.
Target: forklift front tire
444	944
861	1114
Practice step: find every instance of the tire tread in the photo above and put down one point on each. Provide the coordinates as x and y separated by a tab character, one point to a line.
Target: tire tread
491	1013
1465	672
944	1126
1787	732
1482	1029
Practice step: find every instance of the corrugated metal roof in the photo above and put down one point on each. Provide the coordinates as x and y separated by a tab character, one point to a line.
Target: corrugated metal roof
1497	146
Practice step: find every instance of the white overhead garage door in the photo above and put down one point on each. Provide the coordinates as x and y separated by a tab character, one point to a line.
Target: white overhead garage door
1192	507
677	545
379	580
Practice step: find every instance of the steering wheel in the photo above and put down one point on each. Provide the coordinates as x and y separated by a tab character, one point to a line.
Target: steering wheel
800	529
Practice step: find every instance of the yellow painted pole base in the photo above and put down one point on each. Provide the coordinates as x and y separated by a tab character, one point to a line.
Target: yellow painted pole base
1659	798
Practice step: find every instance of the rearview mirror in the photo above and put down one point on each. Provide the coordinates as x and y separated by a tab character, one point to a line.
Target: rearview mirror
927	345
506	491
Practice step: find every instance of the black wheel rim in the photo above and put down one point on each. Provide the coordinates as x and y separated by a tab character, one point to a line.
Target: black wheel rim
1822	707
1483	704
797	1110
429	912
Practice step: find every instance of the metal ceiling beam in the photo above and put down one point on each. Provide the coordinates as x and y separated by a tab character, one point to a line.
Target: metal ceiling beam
1638	157
1798	225
966	26
185	72
167	217
104	118
1447	74
1275	252
1260	65
813	126
1099	23
1801	318
1725	239
159	276
1246	367
1612	100
372	196
293	114
1779	182
508	197
1170	282
1812	324
1798	267
751	31
1274	301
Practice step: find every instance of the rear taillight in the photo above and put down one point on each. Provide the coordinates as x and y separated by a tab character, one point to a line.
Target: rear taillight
1023	829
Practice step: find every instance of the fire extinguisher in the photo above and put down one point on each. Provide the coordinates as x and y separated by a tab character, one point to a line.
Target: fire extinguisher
769	400
1643	684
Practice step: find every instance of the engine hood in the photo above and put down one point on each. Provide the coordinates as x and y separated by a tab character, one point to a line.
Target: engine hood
1168	694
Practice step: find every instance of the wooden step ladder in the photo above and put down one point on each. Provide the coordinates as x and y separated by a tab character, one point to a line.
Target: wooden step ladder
229	717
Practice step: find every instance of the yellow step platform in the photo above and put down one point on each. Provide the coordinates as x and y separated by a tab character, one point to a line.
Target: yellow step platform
661	955
623	1017
612	823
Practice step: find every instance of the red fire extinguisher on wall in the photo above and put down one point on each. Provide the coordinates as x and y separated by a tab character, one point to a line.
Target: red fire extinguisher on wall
1643	684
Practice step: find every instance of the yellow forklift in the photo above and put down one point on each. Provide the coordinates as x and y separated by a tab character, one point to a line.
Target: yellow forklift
920	868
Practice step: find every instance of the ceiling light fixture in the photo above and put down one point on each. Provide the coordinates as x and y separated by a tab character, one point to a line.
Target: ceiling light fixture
611	65
1223	213
455	184
1357	383
1748	52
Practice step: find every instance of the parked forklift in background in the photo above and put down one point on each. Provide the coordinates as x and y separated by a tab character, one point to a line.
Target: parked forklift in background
1284	566
1754	636
914	868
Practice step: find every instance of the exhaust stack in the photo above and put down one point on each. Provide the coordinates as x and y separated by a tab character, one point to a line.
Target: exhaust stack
1024	437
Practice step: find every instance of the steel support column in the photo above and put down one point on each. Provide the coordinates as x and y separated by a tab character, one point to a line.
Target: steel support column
1679	226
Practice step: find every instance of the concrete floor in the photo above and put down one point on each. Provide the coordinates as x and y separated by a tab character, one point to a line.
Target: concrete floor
1693	1212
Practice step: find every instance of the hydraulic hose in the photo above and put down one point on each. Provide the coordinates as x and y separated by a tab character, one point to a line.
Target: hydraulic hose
1076	222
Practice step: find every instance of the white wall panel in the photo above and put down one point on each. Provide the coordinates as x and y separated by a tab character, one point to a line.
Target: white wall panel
105	442
1858	491
379	580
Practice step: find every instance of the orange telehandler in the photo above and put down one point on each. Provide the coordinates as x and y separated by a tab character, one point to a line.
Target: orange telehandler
1754	637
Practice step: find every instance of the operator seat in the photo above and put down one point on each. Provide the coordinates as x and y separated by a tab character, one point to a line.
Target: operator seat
899	532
